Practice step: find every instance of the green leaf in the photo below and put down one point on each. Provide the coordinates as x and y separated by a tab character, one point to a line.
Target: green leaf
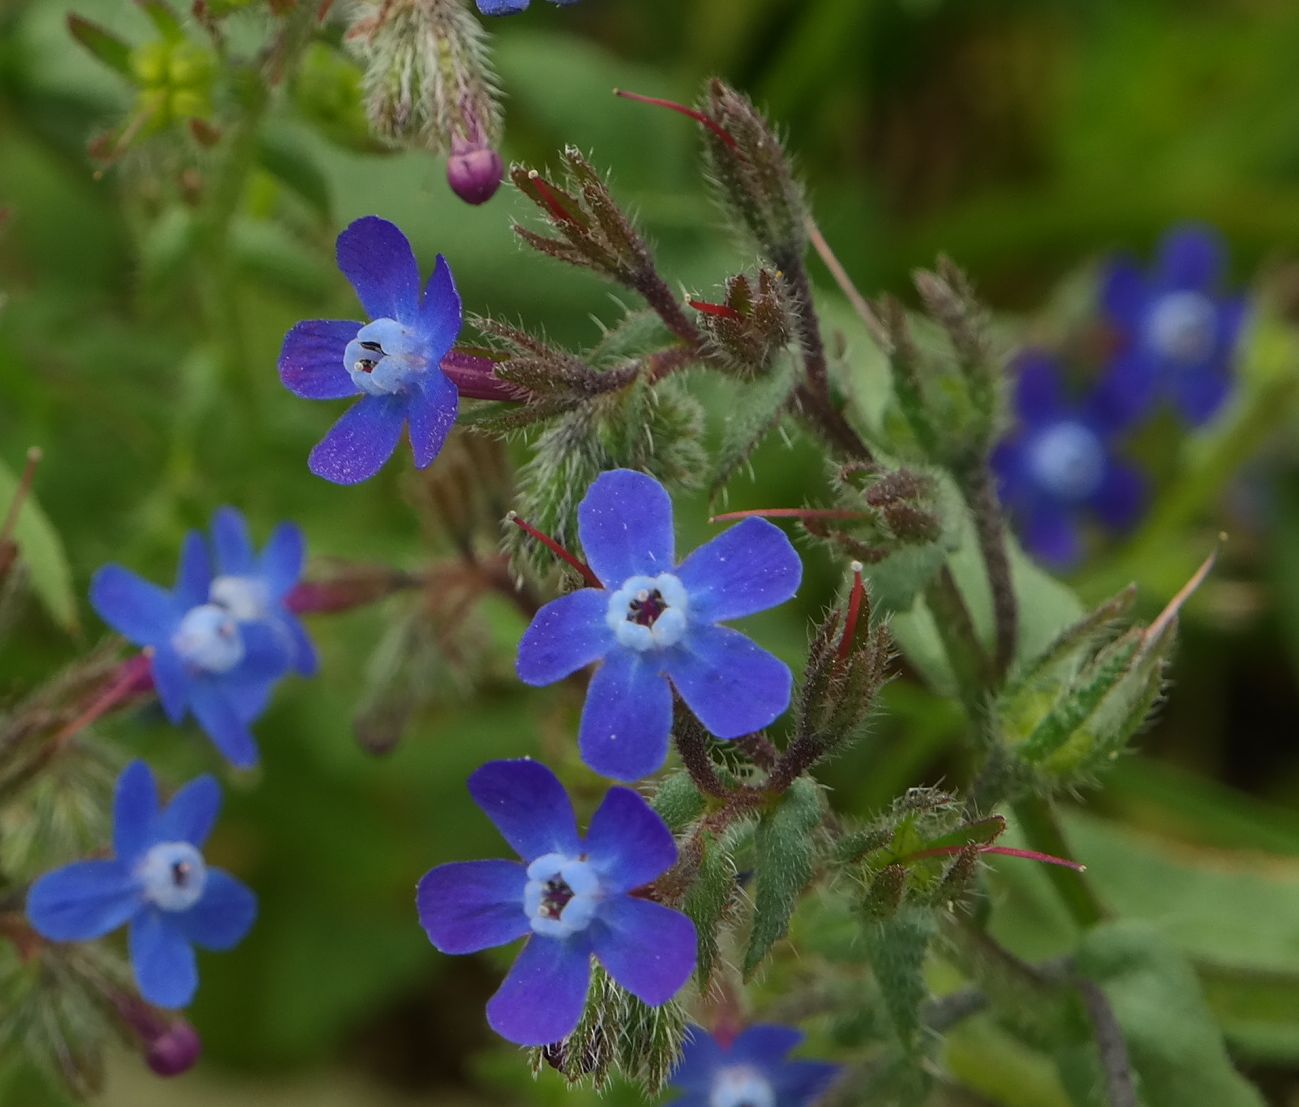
760	404
103	45
784	850
897	946
164	18
709	899
678	801
41	550
291	164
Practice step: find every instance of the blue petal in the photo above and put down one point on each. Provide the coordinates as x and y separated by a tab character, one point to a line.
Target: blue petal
1121	498
432	413
1051	534
566	635
163	959
802	1082
361	441
172	681
1200	393
135	805
376	257
473	905
234	549
528	805
266	657
1039	388
647	948
701	1056
194	576
440	313
625	523
1191	259
628	843
764	1044
302	650
1010	466
280	564
542	998
1124	294
502	7
627	717
222	917
133	607
748	568
191	815
1126	393
219	719
311	361
733	686
83	901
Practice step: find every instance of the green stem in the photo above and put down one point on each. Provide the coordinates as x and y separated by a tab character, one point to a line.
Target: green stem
1037	819
960	640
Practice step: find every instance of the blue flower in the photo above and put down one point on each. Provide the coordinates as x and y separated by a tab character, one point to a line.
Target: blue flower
1059	464
253	588
203	660
512	7
1177	334
394	363
751	1071
570	897
157	881
656	621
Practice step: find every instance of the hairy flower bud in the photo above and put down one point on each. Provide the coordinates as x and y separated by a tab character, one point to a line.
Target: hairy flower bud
475	174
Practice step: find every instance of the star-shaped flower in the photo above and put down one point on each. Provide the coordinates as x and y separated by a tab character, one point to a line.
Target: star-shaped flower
203	660
571	897
157	881
394	362
656	622
751	1071
1177	333
1059	464
511	7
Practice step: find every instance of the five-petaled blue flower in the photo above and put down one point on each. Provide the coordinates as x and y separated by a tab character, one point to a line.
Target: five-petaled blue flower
394	363
1177	335
205	656
510	7
571	897
751	1071
1059	464
656	621
157	881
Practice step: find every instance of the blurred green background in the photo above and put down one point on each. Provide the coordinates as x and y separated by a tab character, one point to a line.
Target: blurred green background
1022	137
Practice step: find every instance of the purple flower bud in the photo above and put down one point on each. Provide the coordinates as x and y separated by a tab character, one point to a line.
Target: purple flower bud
175	1051
475	175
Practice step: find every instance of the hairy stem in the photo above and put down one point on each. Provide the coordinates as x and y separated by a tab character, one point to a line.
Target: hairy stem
990	529
960	641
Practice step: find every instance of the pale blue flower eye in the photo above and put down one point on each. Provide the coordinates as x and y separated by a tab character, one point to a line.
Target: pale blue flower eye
246	598
173	876
1068	460
208	639
649	612
561	895
1182	326
741	1086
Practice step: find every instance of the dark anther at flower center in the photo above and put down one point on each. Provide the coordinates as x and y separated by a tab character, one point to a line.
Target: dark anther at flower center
646	607
180	873
365	364
554	898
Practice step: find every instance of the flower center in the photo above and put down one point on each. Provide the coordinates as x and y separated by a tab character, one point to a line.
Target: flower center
173	875
561	895
246	598
208	639
1068	461
741	1086
385	358
649	612
1182	326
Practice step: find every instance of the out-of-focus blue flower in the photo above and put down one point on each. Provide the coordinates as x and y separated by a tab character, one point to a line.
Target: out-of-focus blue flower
1059	464
253	587
203	659
1177	333
394	363
572	898
510	7
656	621
157	881
751	1071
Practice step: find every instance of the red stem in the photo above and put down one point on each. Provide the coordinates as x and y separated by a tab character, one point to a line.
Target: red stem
788	513
554	547
681	109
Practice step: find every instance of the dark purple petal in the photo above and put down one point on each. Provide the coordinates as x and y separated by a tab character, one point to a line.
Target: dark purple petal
1124	295
802	1082
163	959
1191	259
473	905
1121	498
1051	535
281	562
628	843
439	314
627	717
194	575
1009	466
135	805
701	1056
1125	394
172	681
528	805
311	361
1039	388
234	549
566	635
191	815
222	917
361	441
217	716
764	1044
133	607
733	686
748	568
83	901
376	257
1200	393
625	524
1233	311
502	7
542	998
647	948
432	414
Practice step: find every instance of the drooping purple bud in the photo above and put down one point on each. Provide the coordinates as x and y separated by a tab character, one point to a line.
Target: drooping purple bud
475	175
175	1051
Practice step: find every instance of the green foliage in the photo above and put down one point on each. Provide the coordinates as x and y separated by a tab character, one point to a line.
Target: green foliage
41	554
